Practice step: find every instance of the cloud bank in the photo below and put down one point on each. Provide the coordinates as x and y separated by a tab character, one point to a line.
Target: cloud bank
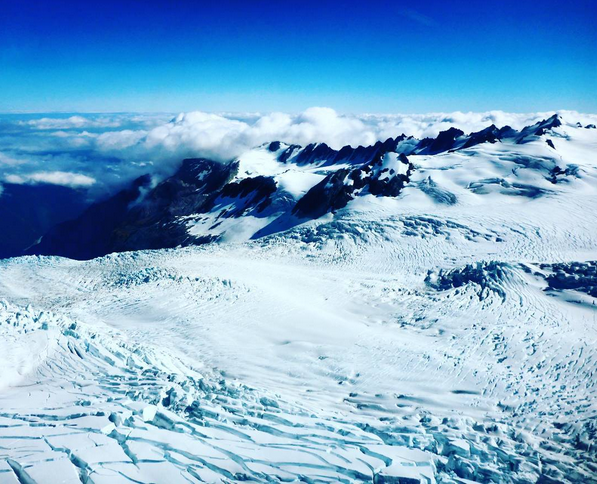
224	137
72	180
104	152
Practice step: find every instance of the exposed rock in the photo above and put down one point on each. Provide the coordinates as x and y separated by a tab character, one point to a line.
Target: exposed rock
329	194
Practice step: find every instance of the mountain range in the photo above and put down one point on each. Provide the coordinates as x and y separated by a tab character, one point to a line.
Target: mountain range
277	186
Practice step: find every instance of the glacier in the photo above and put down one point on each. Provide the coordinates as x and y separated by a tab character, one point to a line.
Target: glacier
415	311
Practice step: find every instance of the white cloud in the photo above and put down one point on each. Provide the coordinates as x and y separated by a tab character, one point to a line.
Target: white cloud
72	122
9	160
225	136
73	180
118	140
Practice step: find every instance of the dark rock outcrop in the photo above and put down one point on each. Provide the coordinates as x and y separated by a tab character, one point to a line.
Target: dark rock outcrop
339	188
330	194
445	141
257	192
488	135
539	129
140	217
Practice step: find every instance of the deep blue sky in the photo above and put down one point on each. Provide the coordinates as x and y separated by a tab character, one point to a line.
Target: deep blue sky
288	55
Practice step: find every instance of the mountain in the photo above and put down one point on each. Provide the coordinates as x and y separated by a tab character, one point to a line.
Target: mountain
415	311
276	186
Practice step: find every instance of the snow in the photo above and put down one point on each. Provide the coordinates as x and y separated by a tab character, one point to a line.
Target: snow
259	161
294	179
230	229
414	337
392	163
298	183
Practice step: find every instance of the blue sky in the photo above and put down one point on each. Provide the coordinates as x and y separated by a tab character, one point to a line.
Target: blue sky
288	55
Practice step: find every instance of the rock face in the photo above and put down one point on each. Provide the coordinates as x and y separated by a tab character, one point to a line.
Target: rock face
540	128
276	187
151	221
258	190
383	176
490	134
445	141
139	217
330	194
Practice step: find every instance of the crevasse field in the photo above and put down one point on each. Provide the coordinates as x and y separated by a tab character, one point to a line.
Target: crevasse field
446	334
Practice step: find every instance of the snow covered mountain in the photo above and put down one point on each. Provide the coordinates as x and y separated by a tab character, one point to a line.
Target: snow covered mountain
414	311
276	186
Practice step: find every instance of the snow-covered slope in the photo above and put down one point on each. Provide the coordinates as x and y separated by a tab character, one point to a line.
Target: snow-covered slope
416	311
275	187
